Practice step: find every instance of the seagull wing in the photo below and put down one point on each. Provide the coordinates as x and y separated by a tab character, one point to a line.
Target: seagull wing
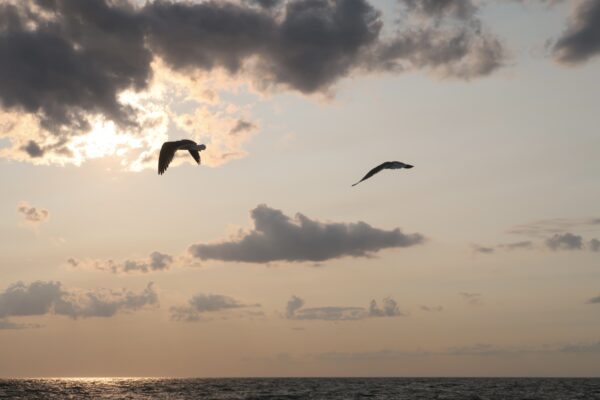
397	165
167	152
196	155
372	172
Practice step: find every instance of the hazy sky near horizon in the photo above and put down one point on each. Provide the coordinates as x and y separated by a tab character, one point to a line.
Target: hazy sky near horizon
482	260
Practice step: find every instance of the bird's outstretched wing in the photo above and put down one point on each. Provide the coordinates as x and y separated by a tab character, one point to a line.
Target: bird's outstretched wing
196	155
167	152
372	172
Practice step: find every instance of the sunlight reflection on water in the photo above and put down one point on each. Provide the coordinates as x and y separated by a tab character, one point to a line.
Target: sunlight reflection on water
136	388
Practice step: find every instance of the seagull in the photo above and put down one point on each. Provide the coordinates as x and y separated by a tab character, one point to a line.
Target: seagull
168	149
385	165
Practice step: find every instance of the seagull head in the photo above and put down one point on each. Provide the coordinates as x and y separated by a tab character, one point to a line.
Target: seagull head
200	147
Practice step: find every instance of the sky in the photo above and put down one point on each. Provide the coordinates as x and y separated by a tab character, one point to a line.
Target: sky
482	260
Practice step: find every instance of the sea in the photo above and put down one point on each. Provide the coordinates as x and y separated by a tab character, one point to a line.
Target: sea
302	388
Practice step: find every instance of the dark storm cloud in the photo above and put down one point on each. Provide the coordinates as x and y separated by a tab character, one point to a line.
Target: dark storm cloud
311	44
294	310
454	53
565	241
461	9
581	40
266	3
33	215
315	43
74	62
40	298
277	237
448	37
202	303
208	34
68	60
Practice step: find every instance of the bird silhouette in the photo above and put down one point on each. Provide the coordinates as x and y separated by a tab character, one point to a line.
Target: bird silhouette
385	165
168	150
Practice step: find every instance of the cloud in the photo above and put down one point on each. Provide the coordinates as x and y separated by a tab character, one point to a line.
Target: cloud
155	262
201	304
543	228
446	37
277	237
581	348
389	308
295	311
432	309
75	60
566	241
525	244
475	350
594	300
581	40
473	299
6	325
41	298
33	149
293	305
482	249
522	245
486	349
33	215
266	3
242	126
72	72
561	237
310	44
461	9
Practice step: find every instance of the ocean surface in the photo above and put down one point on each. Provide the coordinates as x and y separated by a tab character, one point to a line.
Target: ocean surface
301	388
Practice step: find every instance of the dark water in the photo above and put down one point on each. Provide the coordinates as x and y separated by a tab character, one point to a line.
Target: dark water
326	388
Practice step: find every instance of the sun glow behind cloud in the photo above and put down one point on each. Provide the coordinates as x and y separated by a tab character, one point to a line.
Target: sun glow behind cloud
174	106
104	140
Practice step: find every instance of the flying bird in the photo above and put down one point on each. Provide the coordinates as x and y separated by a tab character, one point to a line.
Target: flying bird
385	165
168	149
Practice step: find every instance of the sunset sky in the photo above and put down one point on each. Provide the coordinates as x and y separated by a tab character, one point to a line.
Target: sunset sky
483	260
